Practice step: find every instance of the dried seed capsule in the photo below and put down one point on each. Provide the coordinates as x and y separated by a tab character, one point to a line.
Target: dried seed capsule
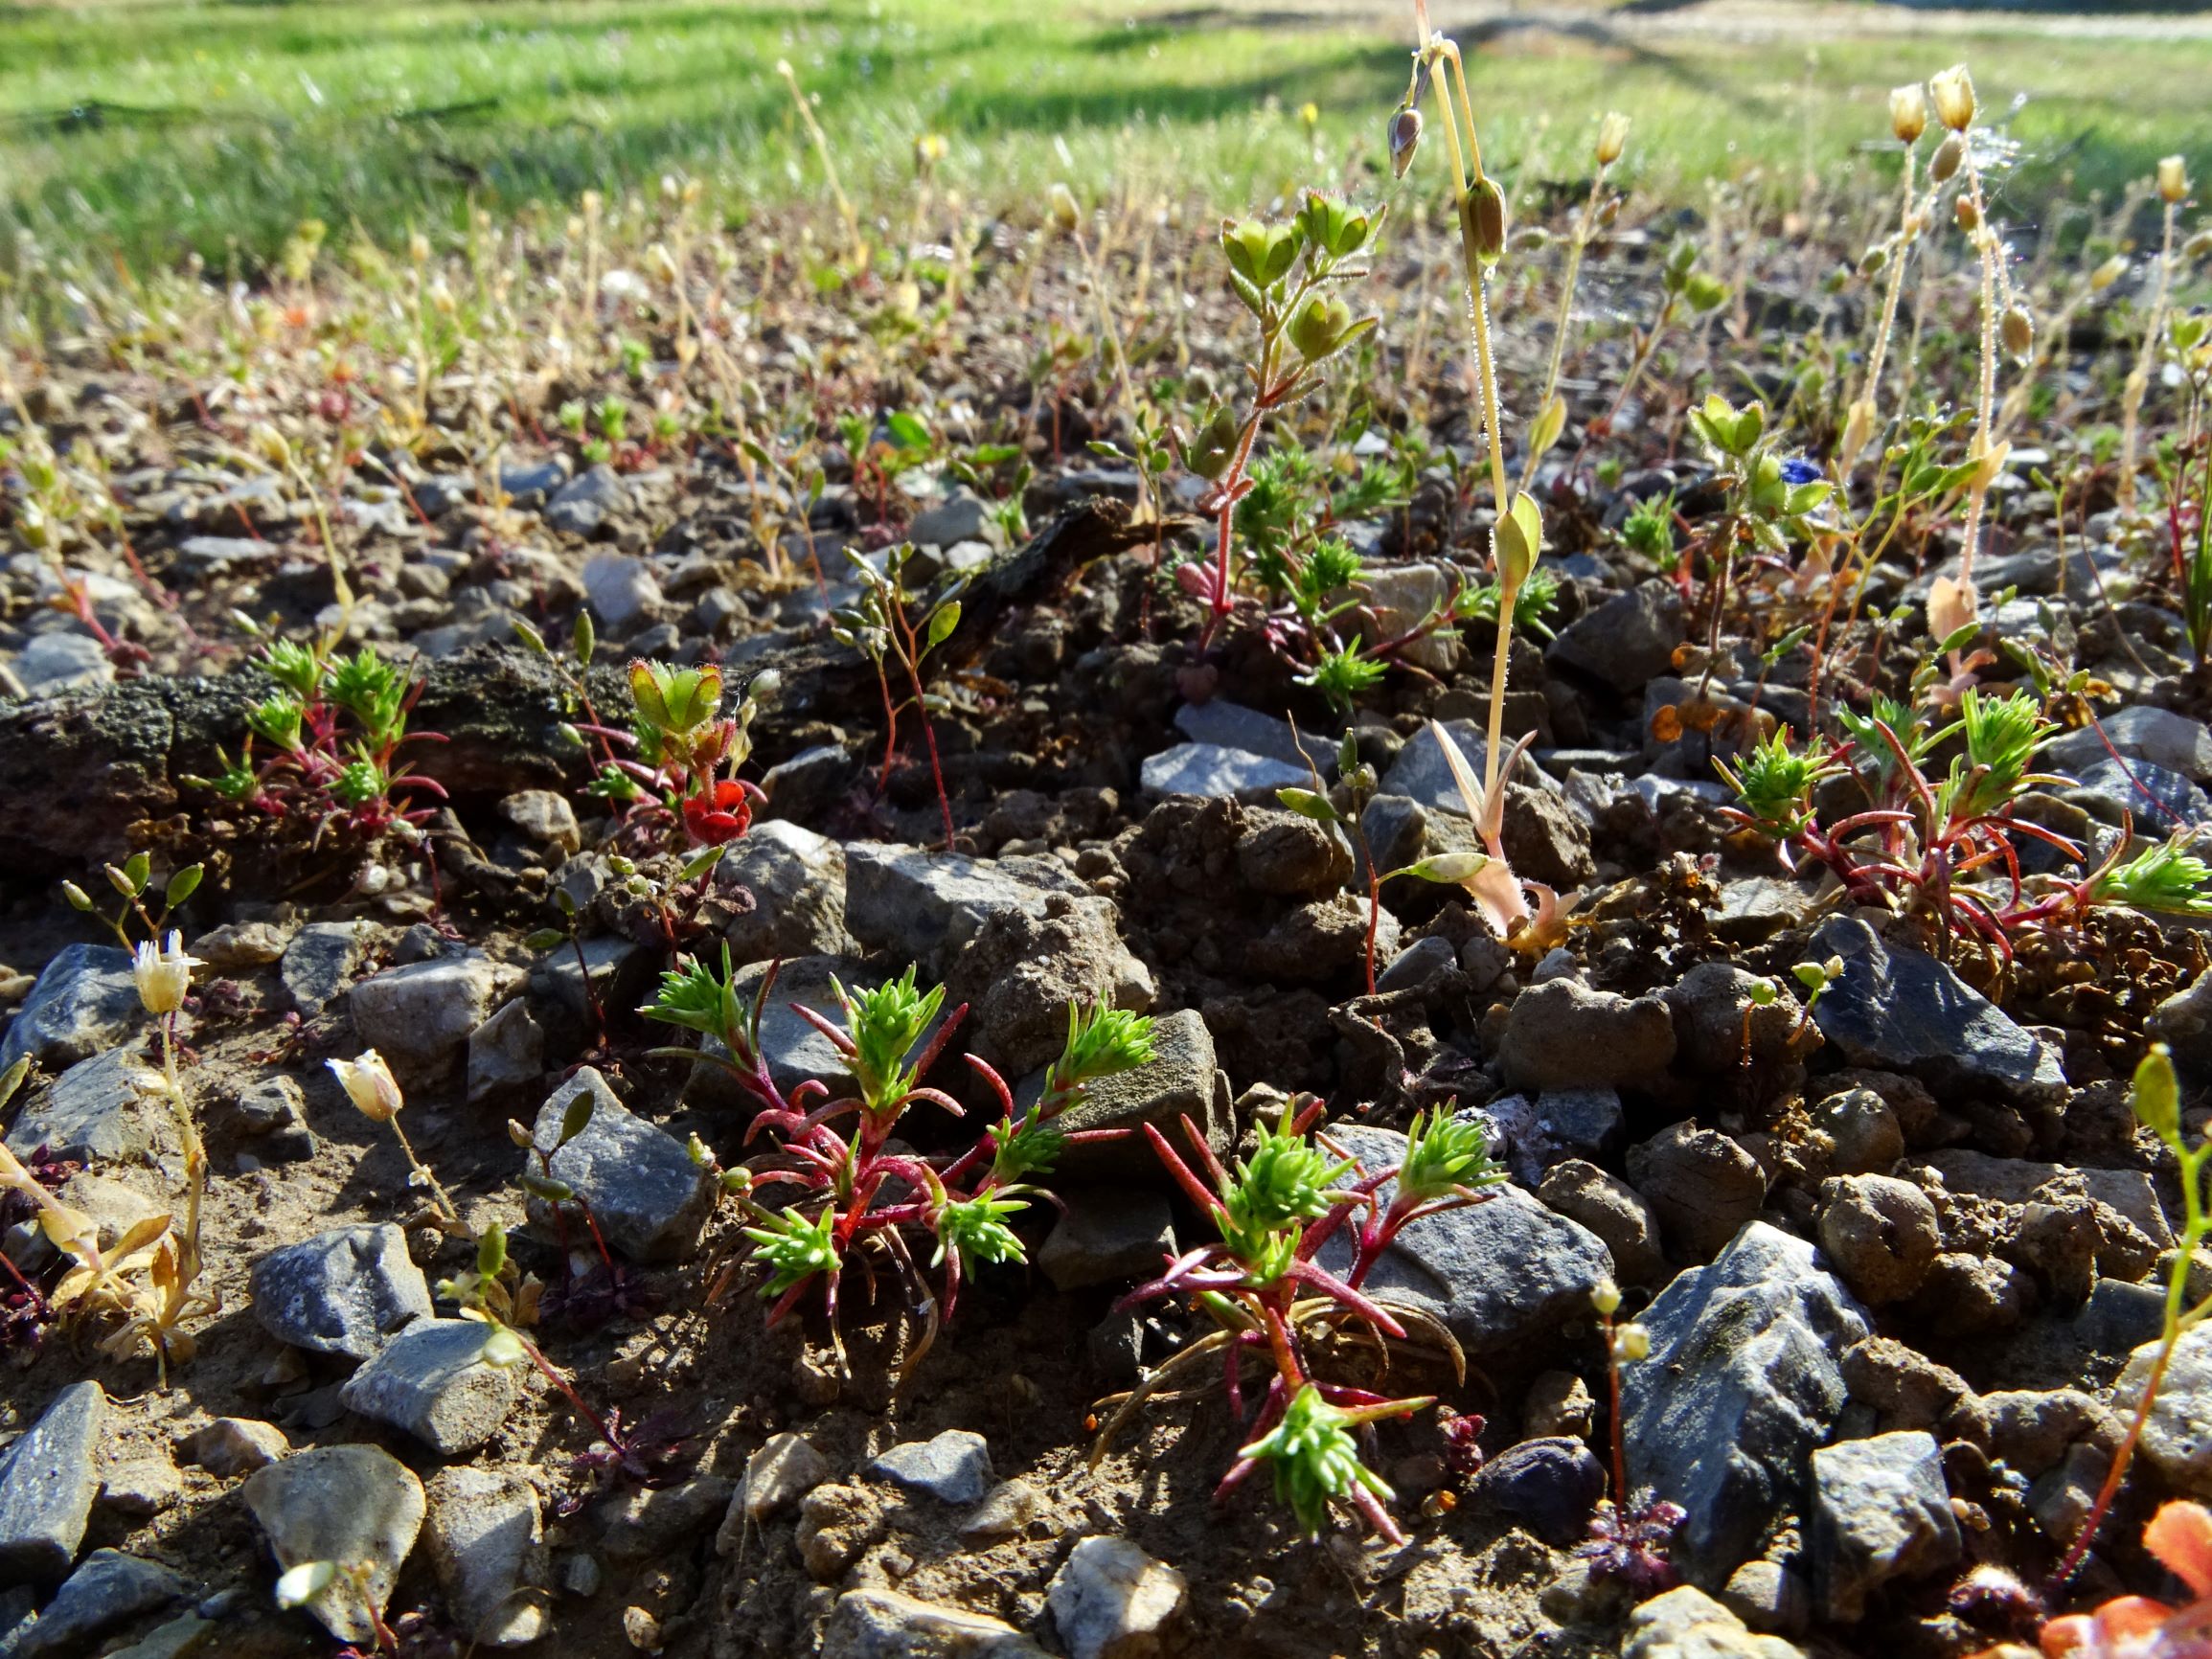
1908	113
1954	100
1969	214
2173	179
2017	330
2107	273
1949	154
1612	137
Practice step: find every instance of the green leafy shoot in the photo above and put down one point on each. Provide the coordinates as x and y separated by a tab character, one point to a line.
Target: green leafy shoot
1445	1156
884	1024
1315	1459
975	1230
1774	785
2002	735
1342	674
1532	606
794	1248
2168	878
693	996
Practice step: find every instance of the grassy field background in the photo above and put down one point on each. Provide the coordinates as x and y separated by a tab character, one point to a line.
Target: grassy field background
146	129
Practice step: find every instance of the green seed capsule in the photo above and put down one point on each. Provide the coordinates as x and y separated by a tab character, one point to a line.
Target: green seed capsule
1485	209
2017	330
1949	155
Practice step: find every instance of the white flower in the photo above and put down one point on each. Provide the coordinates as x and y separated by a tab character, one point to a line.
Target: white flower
164	975
368	1083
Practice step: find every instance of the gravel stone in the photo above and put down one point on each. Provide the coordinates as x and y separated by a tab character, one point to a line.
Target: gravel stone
103	1110
356	1505
47	1481
953	1466
487	1548
345	1291
1880	1511
1111	1600
432	1381
1563	1034
648	1197
1743	1382
108	1589
84	1003
418	1016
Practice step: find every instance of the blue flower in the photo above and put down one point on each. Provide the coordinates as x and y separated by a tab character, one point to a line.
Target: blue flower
1800	471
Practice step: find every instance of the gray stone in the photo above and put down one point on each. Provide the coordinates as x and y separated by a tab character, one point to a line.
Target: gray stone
1883	1235
885	1625
544	816
1209	770
103	1110
645	1193
487	1548
1613	1210
1418	965
795	1050
1182	1078
211	553
110	1588
527	484
1502	1276
2183	1021
2177	1435
346	1291
1754	908
658	1521
1111	1600
1745	1378
2140	732
241	947
925	907
1106	1234
274	1110
1401	598
506	1052
1422	773
433	1381
620	972
59	662
1006	1509
1687	1624
235	1445
85	1001
954	1467
47	1481
1626	640
580	507
1547	1486
621	591
809	783
2154	799
1564	1034
1880	1512
356	1505
1902	1010
418	1016
960	516
1768	1596
322	960
796	881
1701	1184
1227	725
2016	1181
783	1470
173	1639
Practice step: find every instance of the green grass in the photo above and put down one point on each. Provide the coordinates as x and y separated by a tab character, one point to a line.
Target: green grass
151	129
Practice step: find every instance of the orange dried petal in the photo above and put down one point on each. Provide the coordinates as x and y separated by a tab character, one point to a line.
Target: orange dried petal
2180	1535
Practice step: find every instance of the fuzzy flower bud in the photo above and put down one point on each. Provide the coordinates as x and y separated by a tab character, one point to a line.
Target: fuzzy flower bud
1612	137
2173	179
1949	155
2109	273
1485	209
165	975
1955	101
368	1083
1631	1343
1908	113
1606	1297
1405	138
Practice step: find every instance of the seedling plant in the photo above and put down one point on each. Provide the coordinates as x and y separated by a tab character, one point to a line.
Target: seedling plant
858	1196
1272	1301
